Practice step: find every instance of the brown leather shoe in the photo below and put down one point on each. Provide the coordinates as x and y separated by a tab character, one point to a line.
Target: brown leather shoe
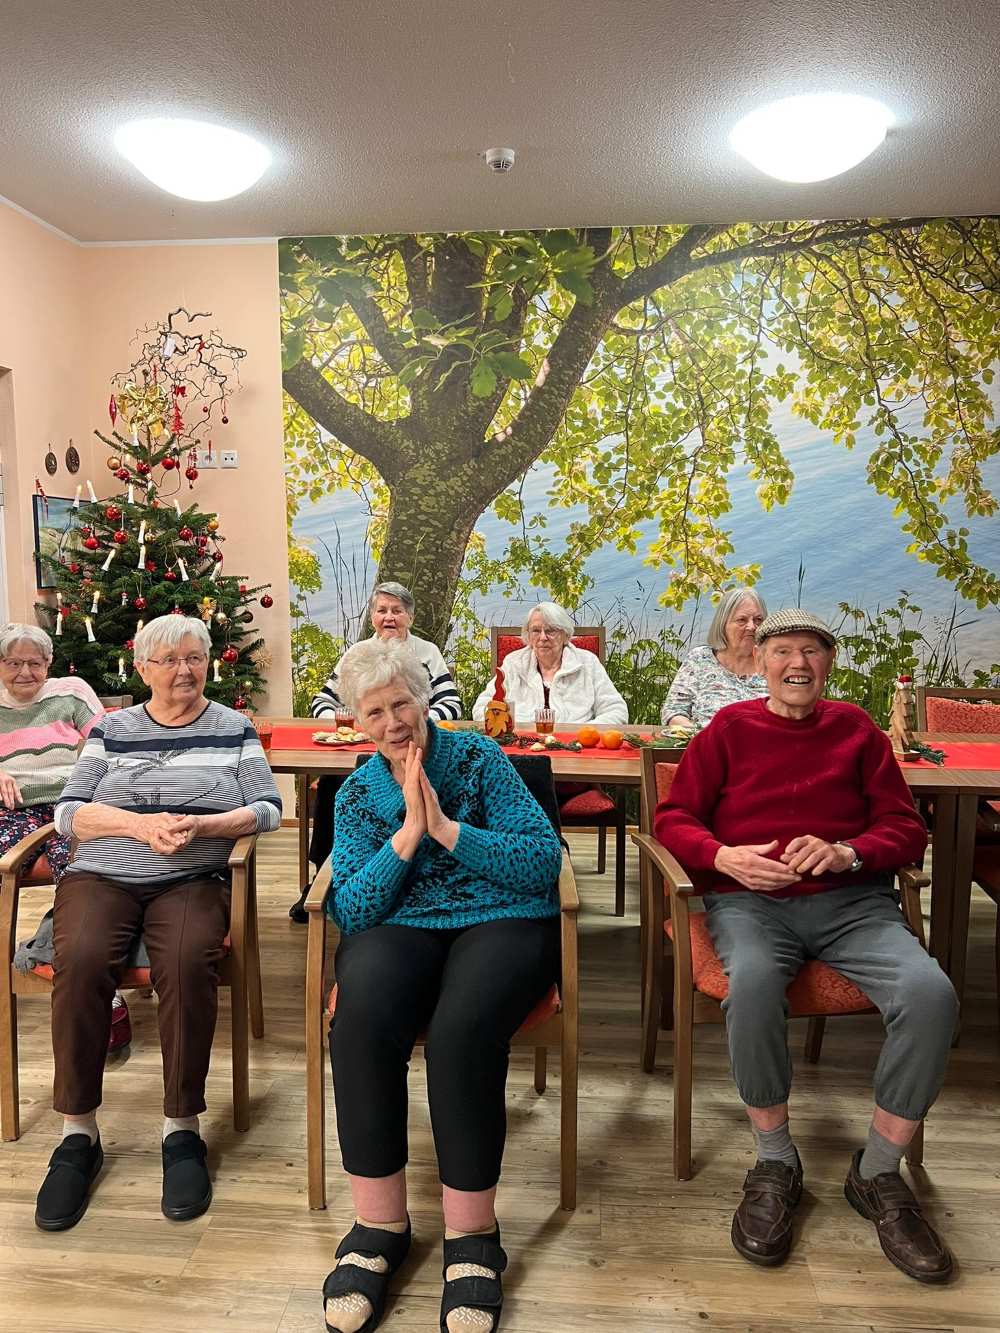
907	1239
762	1224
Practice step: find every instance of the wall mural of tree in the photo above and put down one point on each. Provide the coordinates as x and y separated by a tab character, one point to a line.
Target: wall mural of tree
430	372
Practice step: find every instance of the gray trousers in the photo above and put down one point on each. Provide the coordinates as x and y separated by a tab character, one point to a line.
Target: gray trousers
859	930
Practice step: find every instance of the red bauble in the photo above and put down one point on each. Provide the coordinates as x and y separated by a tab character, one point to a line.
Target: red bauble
169	464
91	543
191	473
86	530
123	474
121	536
185	533
170	575
216	556
240	702
74	568
205	409
243	589
112	513
140	603
143	468
266	601
230	655
225	421
129	645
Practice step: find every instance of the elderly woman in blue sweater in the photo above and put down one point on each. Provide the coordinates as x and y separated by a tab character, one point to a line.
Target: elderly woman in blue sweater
444	888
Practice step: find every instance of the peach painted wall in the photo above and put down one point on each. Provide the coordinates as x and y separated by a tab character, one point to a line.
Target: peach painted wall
67	328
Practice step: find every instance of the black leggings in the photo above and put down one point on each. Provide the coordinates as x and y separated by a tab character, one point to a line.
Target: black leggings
469	990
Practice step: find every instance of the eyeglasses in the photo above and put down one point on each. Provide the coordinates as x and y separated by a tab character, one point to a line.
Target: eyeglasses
16	663
546	632
193	660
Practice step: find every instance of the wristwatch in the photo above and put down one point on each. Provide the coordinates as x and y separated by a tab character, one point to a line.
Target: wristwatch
857	863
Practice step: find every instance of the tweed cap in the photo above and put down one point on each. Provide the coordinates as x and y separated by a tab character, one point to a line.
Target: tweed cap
795	621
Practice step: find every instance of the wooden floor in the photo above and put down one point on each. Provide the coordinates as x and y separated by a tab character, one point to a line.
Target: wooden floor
641	1254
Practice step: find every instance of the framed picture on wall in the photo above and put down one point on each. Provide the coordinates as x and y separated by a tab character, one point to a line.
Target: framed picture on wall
57	533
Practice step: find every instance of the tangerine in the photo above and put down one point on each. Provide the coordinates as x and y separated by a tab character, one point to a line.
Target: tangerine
612	740
588	736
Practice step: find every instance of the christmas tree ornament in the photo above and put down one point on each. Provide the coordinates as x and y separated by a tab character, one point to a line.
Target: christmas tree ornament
143	468
128	645
108	559
243	589
94	603
267	601
202	542
205	409
217	556
221	618
239	702
185	533
91	543
86	529
91	493
140	603
121	536
216	673
170	575
90	630
76	498
74	568
124	599
123	474
112	409
169	464
176	611
212	525
143	406
183	569
121	669
205	608
113	462
112	513
230	655
191	473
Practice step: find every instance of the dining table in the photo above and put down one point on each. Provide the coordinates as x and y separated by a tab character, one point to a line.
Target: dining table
953	790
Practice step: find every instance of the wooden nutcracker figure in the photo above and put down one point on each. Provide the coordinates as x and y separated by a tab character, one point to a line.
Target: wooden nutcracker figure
901	721
499	720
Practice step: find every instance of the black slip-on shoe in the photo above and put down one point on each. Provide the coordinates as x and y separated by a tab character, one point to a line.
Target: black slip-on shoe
63	1197
187	1189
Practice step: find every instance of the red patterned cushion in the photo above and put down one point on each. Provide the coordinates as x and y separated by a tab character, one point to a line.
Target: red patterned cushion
591	802
547	1007
962	715
40	873
818	989
510	643
664	780
133	978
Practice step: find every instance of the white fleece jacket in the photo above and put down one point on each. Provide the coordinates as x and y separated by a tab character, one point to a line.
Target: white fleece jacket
581	690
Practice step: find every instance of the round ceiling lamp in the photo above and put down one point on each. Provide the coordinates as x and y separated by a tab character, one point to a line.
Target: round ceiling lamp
193	159
813	137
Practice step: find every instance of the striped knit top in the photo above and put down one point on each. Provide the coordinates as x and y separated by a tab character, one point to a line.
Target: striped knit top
445	704
205	767
39	740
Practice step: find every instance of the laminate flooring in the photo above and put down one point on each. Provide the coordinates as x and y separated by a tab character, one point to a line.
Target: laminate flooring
641	1254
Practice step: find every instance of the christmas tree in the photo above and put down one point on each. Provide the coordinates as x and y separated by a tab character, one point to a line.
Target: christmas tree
142	553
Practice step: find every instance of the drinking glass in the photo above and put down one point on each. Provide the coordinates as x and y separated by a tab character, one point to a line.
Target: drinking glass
545	721
263	729
344	718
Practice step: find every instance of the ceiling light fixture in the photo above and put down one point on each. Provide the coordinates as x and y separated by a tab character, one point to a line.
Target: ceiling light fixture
193	159
811	138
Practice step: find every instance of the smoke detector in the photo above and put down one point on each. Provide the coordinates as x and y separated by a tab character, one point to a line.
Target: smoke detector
499	159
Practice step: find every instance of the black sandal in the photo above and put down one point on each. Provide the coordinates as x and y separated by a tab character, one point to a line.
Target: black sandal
474	1293
349	1279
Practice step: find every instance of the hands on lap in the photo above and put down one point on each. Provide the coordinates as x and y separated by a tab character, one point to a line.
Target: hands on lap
752	866
10	792
166	833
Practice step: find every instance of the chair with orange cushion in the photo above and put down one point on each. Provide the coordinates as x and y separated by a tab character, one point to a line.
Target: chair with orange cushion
553	1023
594	807
240	970
699	982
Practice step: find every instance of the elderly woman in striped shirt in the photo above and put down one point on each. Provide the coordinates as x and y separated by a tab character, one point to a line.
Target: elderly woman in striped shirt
157	799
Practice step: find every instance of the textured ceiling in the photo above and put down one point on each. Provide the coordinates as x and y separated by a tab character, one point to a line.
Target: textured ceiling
376	111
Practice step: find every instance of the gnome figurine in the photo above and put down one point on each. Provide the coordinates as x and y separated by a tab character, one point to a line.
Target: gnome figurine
499	720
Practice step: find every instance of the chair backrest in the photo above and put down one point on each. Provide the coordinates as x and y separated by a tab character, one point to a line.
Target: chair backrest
974	710
112	701
535	771
658	765
506	639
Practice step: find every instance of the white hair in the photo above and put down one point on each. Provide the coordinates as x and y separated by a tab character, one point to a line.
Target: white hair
396	590
375	663
553	616
14	633
724	612
169	632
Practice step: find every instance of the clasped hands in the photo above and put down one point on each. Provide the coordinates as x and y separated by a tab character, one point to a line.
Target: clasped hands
166	833
752	866
423	810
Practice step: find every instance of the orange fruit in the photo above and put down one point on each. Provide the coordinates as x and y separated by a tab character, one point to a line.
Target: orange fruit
612	740
588	736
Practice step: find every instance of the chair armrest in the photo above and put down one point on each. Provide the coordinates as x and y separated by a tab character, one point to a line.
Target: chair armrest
569	896
319	889
911	880
243	850
19	853
677	878
913	877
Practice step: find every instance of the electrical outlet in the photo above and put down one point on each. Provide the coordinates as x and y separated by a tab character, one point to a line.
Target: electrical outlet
206	459
229	458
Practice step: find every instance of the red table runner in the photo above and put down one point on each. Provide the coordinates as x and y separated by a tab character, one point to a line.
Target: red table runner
961	754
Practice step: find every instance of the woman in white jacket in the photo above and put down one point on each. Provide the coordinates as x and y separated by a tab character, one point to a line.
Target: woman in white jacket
549	672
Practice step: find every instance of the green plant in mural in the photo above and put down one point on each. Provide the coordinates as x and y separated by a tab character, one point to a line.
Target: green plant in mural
429	372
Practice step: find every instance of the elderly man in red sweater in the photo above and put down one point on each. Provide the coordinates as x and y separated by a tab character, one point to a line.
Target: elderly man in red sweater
792	815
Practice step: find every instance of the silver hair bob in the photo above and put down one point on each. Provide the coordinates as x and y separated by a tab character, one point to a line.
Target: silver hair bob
392	590
553	616
14	633
724	611
169	632
373	664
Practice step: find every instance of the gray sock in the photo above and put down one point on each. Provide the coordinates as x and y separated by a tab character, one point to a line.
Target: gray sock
775	1145
880	1157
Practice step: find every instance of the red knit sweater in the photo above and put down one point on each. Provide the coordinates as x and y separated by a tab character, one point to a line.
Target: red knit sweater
752	776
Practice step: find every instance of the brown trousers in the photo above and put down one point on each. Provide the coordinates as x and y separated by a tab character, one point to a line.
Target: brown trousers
95	921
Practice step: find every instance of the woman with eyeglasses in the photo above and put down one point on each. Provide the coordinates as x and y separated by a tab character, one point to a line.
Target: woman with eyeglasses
158	797
721	672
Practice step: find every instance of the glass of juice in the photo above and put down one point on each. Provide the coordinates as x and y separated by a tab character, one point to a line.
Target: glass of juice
545	721
344	718
263	728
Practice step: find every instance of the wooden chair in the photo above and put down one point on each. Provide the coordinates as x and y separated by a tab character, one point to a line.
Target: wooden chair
553	1023
699	982
239	970
594	807
112	701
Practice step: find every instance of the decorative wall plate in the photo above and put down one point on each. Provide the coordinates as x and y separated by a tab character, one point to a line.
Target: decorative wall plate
72	458
51	463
